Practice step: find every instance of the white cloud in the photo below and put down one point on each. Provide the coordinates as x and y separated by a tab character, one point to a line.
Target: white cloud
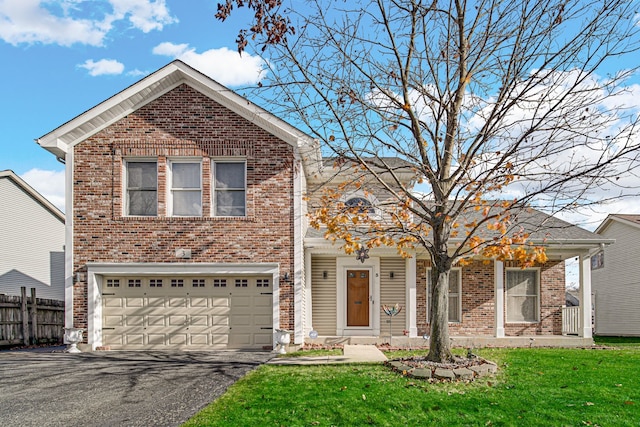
50	184
102	67
223	65
144	15
137	73
76	21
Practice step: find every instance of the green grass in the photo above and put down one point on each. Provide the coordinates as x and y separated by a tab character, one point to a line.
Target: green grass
626	342
556	387
313	353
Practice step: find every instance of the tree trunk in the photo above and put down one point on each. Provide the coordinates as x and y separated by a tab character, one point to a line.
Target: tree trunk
439	345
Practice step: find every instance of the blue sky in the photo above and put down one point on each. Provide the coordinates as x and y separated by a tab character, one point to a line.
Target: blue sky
63	57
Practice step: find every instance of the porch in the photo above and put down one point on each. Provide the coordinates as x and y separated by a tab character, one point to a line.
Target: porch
458	341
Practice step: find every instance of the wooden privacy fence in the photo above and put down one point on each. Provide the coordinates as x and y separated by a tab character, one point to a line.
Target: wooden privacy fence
30	320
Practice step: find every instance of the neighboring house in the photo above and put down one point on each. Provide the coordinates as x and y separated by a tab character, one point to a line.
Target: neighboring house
616	277
187	229
32	231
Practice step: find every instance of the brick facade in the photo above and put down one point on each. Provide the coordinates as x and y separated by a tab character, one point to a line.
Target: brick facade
478	301
182	123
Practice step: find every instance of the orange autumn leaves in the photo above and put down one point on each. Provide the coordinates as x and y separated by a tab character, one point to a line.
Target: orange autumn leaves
396	225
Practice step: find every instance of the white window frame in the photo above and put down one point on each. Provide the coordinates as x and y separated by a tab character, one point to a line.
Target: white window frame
125	184
171	189
459	294
507	295
214	190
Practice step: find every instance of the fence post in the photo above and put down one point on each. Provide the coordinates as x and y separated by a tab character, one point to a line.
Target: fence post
25	316
34	317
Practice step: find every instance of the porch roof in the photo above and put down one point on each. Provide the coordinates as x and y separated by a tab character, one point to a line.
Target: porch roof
563	238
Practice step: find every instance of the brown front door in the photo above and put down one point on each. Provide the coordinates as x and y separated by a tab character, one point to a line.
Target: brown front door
357	298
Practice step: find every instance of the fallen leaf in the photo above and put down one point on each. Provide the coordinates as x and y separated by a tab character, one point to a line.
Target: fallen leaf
629	402
343	388
589	404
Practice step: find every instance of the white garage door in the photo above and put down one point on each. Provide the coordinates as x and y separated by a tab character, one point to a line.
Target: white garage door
187	312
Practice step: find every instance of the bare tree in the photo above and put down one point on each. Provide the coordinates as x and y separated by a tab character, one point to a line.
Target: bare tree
520	101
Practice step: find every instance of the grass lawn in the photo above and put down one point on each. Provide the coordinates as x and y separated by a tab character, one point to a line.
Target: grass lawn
557	387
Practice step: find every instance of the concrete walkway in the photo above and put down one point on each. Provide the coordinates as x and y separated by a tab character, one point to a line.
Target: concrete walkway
351	354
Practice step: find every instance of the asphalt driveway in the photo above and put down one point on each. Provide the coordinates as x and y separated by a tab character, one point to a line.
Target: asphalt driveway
115	388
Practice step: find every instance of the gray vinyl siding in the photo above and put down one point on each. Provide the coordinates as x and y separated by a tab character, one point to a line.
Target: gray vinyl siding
32	244
616	286
393	291
323	296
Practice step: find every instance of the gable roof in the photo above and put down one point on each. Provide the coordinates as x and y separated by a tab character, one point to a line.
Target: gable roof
61	139
629	219
39	198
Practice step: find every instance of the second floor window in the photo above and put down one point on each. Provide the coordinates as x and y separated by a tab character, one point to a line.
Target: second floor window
229	189
142	188
186	188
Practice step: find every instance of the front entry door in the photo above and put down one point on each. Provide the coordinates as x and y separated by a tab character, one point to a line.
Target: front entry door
358	298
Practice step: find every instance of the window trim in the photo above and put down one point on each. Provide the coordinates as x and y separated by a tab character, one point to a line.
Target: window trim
459	293
214	189
126	189
170	189
538	295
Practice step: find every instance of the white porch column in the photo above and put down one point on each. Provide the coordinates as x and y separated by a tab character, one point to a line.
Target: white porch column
308	303
298	275
498	272
411	304
585	297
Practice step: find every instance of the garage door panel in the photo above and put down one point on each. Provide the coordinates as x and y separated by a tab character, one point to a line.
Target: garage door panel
263	339
156	302
220	339
156	320
262	320
200	320
162	317
177	339
177	302
112	338
199	302
134	339
134	302
133	320
220	311
240	301
113	321
239	339
220	320
113	302
177	320
262	301
155	339
199	339
240	320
